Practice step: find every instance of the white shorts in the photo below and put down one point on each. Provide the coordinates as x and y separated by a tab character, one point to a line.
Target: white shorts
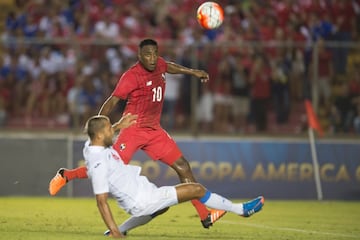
152	201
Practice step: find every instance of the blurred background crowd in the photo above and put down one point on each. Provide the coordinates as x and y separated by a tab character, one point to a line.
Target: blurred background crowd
61	59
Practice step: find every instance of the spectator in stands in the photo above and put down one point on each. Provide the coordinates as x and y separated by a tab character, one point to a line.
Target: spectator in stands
14	103
343	111
283	10
205	110
260	91
30	28
17	78
280	68
223	97
354	91
297	77
171	97
75	106
39	98
354	80
356	122
59	106
33	67
95	9
106	28
240	65
84	97
11	22
269	30
51	61
356	5
47	22
4	68
90	98
345	28
60	31
18	70
185	88
325	71
114	60
320	28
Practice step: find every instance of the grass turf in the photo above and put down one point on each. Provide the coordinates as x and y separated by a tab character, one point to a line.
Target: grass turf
69	218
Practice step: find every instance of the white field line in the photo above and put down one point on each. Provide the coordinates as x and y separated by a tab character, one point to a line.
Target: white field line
291	229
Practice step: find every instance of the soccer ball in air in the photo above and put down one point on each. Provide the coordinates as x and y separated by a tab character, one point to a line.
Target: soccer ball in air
210	15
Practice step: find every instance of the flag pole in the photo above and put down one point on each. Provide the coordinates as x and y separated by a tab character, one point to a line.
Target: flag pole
315	164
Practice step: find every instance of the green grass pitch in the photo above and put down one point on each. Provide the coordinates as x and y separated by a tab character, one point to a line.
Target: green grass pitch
78	218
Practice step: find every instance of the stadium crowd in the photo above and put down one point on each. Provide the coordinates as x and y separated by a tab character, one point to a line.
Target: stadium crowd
61	59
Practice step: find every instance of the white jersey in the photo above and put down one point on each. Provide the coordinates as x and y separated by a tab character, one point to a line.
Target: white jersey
109	174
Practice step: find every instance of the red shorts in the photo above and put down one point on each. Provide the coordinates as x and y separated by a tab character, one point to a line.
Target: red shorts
156	143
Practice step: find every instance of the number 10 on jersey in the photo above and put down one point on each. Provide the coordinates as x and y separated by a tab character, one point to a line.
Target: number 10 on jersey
157	94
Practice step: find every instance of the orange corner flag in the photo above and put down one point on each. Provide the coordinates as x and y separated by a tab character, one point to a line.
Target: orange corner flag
312	118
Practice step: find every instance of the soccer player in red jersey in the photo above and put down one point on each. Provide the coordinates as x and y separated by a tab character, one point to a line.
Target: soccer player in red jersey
143	86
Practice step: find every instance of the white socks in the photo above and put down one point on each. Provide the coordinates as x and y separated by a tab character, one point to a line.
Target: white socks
134	222
216	201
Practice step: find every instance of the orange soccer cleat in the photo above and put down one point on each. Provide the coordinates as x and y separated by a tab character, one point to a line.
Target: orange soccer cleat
212	217
57	182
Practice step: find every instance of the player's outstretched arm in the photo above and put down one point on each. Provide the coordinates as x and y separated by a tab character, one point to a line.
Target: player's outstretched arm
125	121
174	68
108	105
107	216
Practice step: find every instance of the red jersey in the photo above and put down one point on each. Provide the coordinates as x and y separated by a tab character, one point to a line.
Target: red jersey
261	88
144	92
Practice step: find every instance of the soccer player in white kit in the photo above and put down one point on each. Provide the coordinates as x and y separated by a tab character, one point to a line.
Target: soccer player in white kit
134	193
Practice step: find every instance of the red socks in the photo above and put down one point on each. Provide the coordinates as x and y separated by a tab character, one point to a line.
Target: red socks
200	208
79	172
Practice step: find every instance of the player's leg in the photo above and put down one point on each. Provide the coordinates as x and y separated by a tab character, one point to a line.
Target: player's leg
186	192
70	174
63	176
133	222
208	217
162	146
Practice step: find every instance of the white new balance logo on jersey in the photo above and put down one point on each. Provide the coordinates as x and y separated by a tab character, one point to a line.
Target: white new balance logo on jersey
148	83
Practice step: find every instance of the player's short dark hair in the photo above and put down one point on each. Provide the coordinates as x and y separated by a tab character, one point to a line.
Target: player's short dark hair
95	124
147	42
